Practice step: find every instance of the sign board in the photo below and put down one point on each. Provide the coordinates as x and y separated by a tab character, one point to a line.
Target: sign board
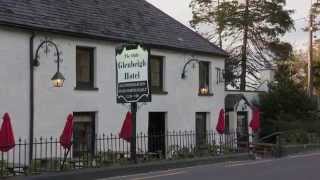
132	72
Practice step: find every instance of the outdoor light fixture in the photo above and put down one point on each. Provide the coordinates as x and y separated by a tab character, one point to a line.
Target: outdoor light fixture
183	75
57	79
204	91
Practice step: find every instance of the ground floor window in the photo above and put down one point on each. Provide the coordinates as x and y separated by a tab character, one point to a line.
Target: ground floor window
201	128
84	134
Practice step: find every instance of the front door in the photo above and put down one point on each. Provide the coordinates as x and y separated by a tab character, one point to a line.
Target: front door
156	132
201	128
242	127
84	134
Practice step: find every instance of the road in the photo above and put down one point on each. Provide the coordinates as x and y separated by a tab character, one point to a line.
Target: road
299	167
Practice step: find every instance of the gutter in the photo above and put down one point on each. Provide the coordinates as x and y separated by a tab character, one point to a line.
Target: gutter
31	97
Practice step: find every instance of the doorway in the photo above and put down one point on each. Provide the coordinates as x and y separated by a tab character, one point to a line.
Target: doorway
242	127
84	134
157	132
201	129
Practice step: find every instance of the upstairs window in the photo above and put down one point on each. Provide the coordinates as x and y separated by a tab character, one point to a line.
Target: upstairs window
220	75
156	69
85	67
204	78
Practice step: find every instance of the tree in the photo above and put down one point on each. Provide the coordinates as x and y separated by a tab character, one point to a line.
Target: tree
287	107
202	11
316	68
299	68
249	28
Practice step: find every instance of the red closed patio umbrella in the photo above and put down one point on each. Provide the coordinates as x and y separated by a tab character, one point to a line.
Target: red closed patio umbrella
126	130
7	141
66	137
221	122
255	122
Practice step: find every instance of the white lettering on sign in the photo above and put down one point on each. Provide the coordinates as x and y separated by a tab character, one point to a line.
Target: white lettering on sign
132	65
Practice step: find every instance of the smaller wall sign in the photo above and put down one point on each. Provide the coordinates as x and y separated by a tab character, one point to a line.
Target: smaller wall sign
132	72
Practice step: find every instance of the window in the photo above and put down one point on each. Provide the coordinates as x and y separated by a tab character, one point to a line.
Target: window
220	75
83	133
156	69
85	68
204	78
201	128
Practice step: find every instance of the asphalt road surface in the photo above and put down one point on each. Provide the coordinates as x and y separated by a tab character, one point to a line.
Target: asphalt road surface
299	167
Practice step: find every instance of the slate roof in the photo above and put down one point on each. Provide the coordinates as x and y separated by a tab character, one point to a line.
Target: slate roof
117	20
232	99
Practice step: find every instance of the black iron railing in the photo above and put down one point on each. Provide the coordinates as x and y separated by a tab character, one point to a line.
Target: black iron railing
107	150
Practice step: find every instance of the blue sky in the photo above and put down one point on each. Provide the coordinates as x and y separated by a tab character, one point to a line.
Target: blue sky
179	9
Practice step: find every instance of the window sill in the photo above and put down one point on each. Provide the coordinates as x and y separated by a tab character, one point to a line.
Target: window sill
159	92
86	89
205	95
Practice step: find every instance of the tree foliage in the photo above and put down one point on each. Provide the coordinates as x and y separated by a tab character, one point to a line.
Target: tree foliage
249	31
287	107
299	68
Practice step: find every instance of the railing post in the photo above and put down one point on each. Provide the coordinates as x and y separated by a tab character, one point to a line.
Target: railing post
134	129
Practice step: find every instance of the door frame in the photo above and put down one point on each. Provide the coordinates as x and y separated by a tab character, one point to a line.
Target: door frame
92	115
246	130
204	138
163	133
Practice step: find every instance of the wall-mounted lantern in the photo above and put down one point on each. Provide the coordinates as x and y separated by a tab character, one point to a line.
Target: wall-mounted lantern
57	79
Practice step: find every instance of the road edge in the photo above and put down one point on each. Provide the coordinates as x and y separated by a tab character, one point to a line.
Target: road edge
137	168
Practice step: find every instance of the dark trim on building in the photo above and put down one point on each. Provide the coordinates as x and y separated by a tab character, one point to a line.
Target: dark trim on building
205	95
31	96
86	89
159	92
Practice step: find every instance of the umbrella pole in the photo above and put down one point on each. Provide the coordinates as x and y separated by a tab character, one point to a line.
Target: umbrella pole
220	144
64	159
2	164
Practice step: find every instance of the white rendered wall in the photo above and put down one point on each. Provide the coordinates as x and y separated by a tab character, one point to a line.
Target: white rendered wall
52	105
14	78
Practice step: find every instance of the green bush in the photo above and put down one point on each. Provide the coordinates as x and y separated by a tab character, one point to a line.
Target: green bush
3	169
287	107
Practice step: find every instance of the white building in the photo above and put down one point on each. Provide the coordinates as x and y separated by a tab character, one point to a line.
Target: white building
87	33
